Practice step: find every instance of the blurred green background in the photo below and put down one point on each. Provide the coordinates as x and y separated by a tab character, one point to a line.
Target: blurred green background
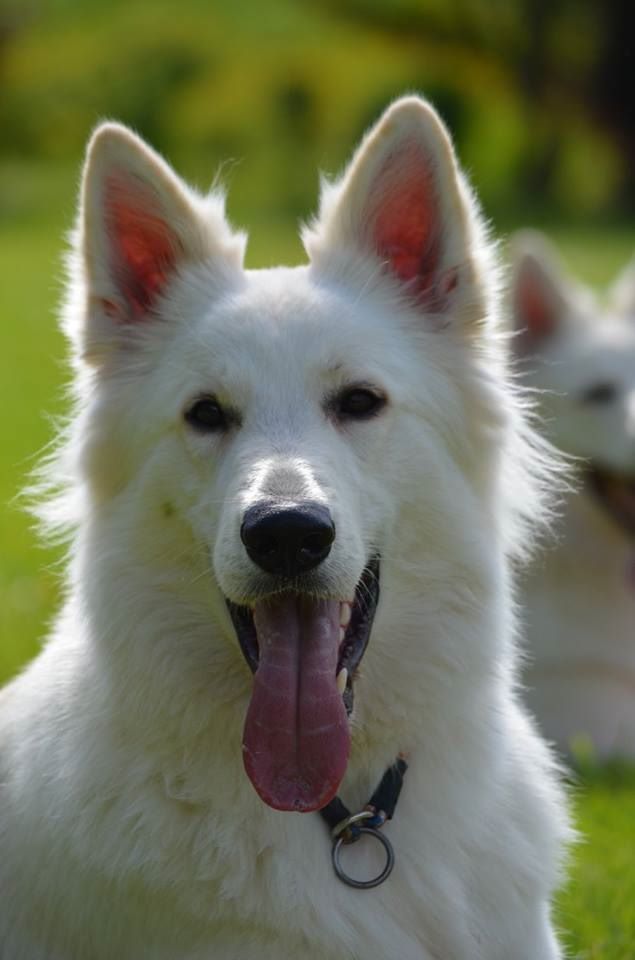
539	98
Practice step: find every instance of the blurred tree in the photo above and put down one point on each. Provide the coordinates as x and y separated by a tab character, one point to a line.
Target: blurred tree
612	87
538	95
562	57
13	18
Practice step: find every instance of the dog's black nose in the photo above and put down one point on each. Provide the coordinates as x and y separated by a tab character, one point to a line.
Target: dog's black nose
287	540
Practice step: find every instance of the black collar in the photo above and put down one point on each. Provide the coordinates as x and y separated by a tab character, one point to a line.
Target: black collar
347	828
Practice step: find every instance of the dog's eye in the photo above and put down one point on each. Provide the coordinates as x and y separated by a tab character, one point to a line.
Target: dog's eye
358	403
600	393
207	415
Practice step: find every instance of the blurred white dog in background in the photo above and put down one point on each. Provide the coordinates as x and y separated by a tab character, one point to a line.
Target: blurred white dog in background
580	595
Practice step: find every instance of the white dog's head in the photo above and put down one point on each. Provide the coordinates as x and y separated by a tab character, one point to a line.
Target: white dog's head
581	356
262	442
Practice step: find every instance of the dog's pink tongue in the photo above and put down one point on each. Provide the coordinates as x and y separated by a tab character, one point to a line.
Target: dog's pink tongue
296	739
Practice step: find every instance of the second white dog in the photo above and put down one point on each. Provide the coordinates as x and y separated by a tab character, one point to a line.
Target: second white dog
580	596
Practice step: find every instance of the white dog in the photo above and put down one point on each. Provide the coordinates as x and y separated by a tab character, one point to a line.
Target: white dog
581	595
254	454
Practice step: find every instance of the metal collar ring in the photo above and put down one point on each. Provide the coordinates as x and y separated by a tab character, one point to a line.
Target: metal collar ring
374	881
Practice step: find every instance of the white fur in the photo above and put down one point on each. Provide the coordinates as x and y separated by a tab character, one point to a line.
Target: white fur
128	826
580	594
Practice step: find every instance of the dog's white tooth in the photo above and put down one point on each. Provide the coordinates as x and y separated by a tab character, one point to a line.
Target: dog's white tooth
342	633
342	677
345	614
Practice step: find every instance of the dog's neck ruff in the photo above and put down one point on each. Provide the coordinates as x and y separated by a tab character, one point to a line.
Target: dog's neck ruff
347	828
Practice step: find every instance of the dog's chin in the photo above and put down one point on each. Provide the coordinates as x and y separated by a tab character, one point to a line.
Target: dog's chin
616	494
304	651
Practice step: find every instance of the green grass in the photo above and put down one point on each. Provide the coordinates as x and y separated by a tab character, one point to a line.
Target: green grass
597	906
596	909
31	373
595	253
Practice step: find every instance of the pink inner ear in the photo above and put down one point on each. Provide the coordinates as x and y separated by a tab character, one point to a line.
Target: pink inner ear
143	247
534	306
405	227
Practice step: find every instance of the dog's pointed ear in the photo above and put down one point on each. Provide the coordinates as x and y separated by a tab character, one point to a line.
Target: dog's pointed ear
402	201
622	293
539	290
139	224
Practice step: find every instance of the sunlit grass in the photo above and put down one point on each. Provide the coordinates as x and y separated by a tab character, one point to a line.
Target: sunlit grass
596	909
31	374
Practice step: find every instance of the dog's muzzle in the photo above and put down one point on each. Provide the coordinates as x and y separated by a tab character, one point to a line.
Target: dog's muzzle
304	649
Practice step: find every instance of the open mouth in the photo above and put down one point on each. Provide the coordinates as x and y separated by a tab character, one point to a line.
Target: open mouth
304	653
616	493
